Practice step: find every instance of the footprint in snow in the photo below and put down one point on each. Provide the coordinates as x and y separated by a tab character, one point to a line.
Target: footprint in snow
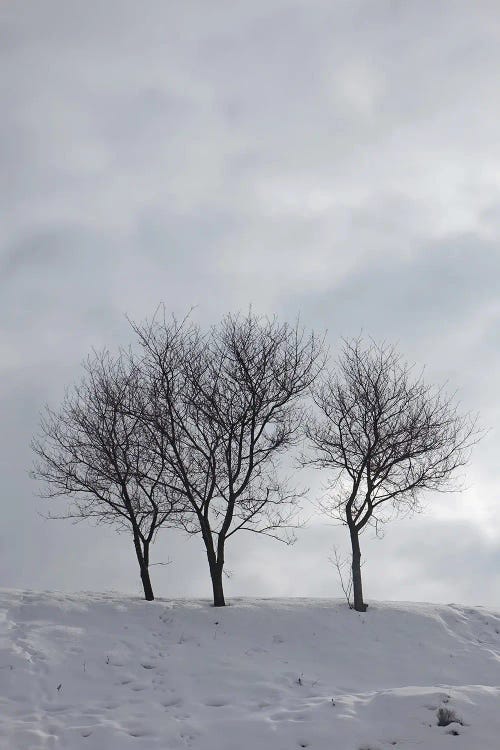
216	702
171	703
138	732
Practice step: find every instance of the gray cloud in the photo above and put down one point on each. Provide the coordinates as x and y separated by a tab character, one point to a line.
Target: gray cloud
434	289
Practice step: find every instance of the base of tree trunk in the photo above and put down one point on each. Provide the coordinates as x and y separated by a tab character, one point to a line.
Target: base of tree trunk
218	589
357	583
148	589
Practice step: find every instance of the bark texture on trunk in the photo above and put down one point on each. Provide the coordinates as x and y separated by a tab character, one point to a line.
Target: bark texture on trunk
357	584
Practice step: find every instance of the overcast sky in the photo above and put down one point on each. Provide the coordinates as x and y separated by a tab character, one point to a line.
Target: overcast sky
337	159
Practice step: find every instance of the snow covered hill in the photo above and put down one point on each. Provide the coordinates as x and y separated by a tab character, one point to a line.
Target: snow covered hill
103	672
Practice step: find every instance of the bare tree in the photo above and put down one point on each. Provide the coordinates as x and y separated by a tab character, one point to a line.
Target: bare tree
97	451
340	564
387	436
227	404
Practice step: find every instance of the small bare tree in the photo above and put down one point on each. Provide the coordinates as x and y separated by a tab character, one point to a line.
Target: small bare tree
97	451
340	564
227	405
387	436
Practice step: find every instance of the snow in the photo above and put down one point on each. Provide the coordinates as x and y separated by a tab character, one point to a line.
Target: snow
104	672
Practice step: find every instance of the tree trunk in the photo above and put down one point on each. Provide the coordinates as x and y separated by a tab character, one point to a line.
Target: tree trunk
146	583
215	563
218	589
143	560
357	585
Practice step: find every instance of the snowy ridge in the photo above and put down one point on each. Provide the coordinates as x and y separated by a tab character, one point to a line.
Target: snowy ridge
105	672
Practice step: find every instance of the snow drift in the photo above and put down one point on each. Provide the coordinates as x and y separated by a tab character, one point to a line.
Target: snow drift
104	672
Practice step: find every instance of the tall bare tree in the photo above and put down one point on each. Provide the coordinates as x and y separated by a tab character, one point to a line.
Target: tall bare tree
387	436
97	451
227	404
